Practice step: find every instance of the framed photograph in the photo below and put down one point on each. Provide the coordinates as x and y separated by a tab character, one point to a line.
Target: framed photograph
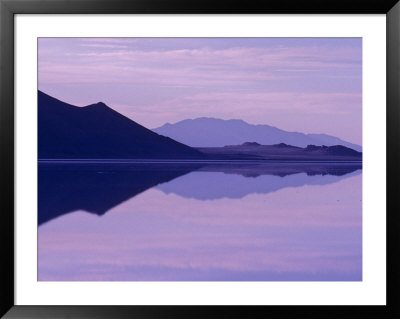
162	158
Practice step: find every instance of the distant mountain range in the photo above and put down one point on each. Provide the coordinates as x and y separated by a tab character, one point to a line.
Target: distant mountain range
282	151
212	132
97	131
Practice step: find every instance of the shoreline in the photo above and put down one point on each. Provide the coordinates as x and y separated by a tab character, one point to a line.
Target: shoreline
188	161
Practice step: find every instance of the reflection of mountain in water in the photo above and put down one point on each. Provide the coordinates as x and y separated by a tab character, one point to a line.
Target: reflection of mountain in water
215	182
283	168
97	188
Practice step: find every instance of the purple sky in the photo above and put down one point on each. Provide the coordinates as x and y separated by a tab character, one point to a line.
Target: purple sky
310	85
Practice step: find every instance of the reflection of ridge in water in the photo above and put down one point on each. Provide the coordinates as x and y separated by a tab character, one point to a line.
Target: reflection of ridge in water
97	188
284	168
215	182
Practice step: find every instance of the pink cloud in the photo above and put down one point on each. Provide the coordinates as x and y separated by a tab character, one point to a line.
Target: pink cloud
191	66
104	46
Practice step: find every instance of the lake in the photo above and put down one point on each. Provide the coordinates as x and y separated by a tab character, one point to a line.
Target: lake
199	221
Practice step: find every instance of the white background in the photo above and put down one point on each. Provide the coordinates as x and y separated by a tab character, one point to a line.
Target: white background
371	291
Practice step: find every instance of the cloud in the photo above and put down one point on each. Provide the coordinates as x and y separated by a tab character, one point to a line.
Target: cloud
124	41
196	66
104	46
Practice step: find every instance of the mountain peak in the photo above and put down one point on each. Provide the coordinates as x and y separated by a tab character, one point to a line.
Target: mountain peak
251	144
205	119
98	105
282	145
98	131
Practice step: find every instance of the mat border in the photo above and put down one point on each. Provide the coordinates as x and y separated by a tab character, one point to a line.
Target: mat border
8	8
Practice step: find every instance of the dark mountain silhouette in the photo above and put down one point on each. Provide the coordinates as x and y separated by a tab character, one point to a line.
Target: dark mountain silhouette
97	188
212	132
282	151
97	131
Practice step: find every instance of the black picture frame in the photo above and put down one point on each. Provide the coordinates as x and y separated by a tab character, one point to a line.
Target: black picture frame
8	10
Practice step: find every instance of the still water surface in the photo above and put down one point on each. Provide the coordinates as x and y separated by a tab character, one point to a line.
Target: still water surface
200	222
